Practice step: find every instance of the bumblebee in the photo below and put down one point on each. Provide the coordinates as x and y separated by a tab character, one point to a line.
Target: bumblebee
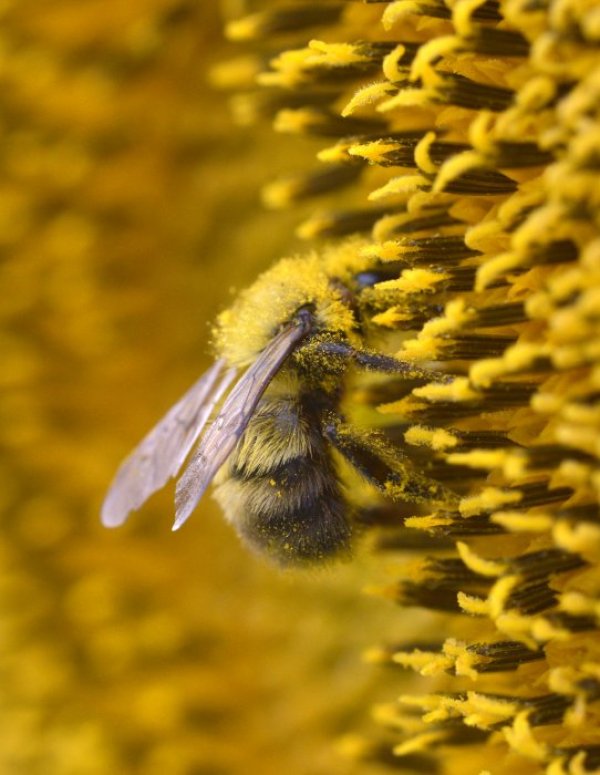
284	350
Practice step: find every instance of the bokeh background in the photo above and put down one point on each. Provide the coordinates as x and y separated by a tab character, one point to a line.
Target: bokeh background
129	215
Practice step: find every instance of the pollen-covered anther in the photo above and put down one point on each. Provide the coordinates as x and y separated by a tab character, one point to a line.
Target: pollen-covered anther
584	438
297	121
329	62
393	317
581	686
396	63
523	522
463	16
339	54
435	707
580	354
535	630
421	742
576	474
519	627
389	250
335	223
386	153
463	660
398	9
512	464
380	655
470	173
357	748
486	711
421	349
482	135
429	522
423	66
435	251
447	324
473	605
406	97
536	94
479	565
580	604
564	679
497	267
520	737
388	715
409	222
373	151
282	193
543	629
286	18
338	154
367	96
288	70
324	122
582	538
497	600
477	710
521	357
400	187
424	662
237	73
489	499
458	390
546	403
438	439
423	157
414	281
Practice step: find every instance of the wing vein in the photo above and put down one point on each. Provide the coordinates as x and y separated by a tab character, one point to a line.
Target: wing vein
220	439
161	453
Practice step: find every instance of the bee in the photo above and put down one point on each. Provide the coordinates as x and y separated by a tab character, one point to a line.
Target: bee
284	350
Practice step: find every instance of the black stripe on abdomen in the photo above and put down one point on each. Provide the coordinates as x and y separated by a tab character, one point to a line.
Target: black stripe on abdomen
295	513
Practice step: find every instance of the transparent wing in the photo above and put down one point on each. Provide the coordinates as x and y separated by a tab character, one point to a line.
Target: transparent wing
219	440
161	453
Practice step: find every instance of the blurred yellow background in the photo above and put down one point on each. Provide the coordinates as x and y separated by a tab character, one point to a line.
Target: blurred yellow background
129	214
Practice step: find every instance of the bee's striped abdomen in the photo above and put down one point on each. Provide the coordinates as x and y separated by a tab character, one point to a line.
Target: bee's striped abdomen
280	489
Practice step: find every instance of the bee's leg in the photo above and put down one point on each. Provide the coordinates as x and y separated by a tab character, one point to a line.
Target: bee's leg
384	465
374	361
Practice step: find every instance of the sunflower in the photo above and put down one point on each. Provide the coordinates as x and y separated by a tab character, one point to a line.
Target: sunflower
460	139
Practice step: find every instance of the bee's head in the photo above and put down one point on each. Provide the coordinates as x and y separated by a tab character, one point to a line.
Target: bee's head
308	286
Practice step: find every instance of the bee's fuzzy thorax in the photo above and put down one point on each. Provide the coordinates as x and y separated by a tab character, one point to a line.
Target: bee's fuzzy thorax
292	283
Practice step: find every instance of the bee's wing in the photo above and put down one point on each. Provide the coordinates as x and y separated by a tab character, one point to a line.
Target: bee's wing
220	439
161	453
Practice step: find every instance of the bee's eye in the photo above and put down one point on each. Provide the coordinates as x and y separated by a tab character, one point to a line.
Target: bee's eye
367	279
374	276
